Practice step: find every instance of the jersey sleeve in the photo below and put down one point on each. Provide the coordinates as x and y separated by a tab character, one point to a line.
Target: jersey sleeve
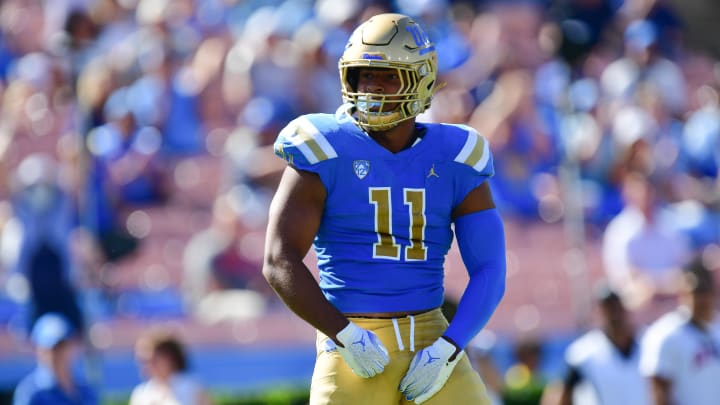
475	160
303	146
658	356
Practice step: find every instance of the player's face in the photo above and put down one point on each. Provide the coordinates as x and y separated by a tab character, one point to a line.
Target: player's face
704	305
63	353
614	313
379	81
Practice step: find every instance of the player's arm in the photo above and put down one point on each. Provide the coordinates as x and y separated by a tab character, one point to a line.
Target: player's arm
481	240
572	379
660	390
294	219
659	356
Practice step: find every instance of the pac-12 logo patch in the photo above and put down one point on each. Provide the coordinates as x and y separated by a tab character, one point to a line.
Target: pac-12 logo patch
361	168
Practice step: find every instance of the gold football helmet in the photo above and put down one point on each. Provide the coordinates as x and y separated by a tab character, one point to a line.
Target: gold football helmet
392	41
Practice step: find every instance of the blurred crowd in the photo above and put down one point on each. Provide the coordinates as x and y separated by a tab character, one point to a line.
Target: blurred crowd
598	113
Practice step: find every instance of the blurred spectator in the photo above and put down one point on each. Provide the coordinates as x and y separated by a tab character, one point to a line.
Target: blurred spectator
127	153
480	354
524	382
643	63
701	135
125	172
77	40
95	83
511	122
165	365
681	350
587	22
167	96
642	255
54	380
221	280
452	47
37	241
603	363
250	174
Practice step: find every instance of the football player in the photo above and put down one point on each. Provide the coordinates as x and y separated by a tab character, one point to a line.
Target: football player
680	351
377	195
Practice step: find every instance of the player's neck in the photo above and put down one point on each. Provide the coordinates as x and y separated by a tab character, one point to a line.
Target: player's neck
397	138
699	322
622	337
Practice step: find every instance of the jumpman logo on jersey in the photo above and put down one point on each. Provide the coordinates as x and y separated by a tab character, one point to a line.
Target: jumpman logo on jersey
360	342
432	172
431	359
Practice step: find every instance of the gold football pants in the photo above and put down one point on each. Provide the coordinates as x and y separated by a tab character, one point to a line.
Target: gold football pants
333	382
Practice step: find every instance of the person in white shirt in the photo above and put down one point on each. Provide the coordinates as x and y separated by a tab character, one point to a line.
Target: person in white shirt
643	255
681	350
603	363
163	361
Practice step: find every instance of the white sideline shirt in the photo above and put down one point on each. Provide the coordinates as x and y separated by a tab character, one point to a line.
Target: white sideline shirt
677	350
608	377
183	390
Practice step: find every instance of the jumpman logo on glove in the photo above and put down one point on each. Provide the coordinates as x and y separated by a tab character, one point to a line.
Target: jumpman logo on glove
425	378
362	351
431	358
360	342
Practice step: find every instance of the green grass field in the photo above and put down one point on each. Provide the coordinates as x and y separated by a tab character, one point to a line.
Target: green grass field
280	396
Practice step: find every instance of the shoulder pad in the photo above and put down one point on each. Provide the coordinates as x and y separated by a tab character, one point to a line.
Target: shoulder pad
301	143
583	347
475	151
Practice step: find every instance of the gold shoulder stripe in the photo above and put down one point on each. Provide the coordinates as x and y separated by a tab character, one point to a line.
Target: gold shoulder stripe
311	143
475	152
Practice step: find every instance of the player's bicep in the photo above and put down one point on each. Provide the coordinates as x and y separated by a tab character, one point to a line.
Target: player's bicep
479	199
295	214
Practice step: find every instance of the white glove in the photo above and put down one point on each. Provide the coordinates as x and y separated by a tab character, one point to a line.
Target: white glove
363	351
429	371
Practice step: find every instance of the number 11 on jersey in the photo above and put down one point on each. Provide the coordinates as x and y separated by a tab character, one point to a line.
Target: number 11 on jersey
386	246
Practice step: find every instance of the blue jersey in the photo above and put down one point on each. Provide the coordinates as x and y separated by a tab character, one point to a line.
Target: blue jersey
40	387
386	227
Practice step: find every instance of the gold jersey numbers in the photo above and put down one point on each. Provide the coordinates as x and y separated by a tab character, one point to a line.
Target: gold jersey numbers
386	246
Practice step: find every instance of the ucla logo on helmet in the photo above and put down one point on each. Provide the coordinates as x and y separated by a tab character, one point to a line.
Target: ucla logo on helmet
361	168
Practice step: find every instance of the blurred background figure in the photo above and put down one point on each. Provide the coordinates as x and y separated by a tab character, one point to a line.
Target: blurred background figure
250	172
480	353
603	364
681	350
221	269
37	242
642	62
55	380
164	363
127	153
524	382
642	253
